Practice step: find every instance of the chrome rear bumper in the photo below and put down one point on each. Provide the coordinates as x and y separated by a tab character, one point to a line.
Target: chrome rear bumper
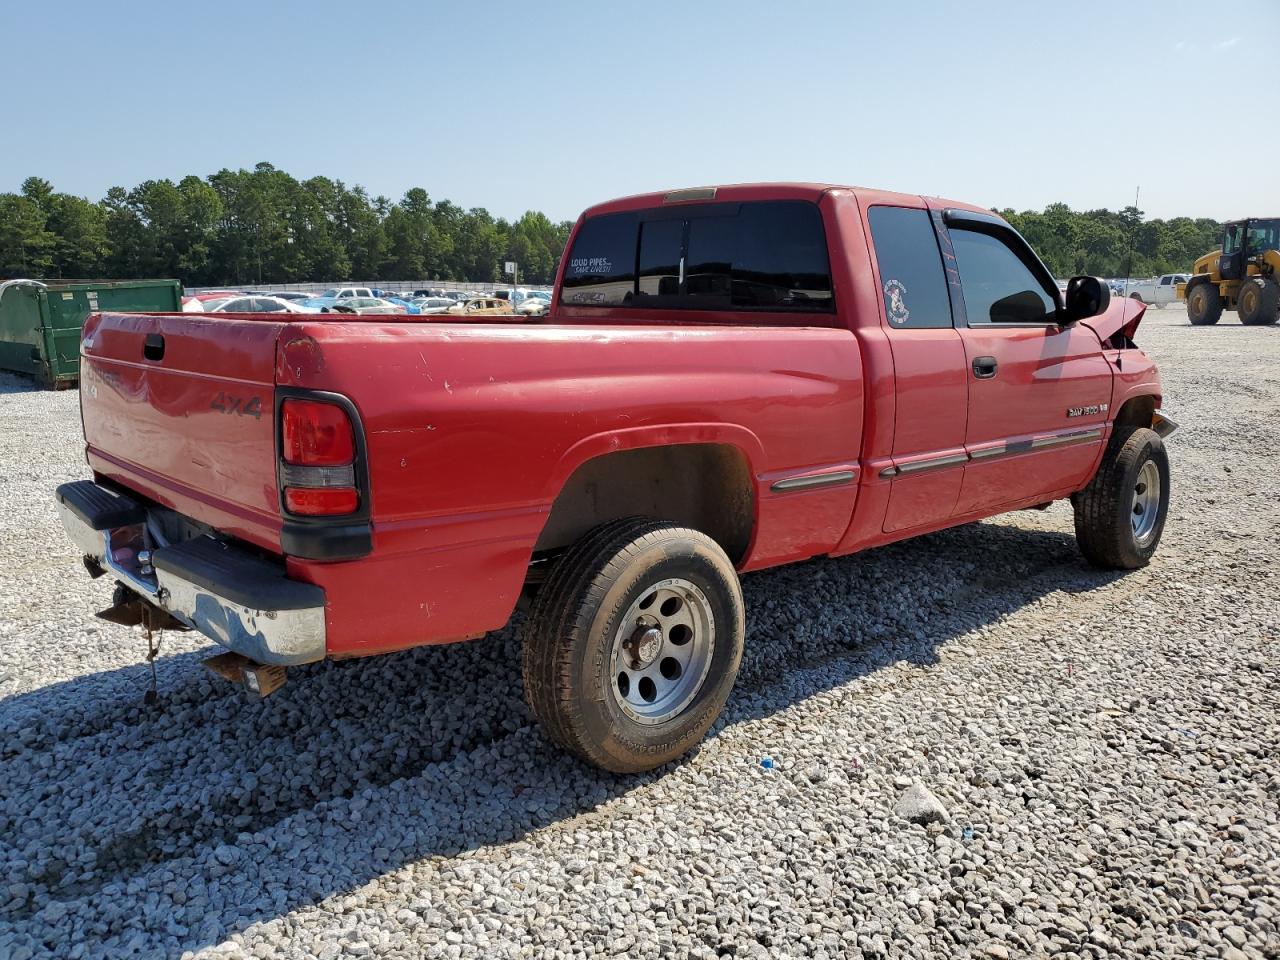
228	594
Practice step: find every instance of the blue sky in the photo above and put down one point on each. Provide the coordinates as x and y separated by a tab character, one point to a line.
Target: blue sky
554	106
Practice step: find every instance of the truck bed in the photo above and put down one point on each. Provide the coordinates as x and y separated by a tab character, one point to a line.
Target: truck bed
471	431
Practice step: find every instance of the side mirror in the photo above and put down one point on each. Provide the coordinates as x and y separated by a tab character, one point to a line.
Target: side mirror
1086	297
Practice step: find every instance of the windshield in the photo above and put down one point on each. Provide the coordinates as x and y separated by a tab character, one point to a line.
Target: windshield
1263	235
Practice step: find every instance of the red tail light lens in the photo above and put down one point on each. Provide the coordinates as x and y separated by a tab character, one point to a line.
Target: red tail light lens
314	433
321	501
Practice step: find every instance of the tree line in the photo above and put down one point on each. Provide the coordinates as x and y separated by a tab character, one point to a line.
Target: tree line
1105	243
263	226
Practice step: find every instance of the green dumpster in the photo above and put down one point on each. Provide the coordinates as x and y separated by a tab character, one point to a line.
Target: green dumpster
40	321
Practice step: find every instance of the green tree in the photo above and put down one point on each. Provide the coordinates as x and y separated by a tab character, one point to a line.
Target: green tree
80	231
26	247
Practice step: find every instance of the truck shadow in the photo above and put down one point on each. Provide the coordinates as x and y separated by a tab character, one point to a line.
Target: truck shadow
357	768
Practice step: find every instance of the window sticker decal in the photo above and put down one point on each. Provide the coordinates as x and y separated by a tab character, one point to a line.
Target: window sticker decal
895	302
592	265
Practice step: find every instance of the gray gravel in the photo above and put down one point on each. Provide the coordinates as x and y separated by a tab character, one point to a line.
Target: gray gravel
1105	747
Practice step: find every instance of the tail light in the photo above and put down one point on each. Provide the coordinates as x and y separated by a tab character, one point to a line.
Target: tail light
317	459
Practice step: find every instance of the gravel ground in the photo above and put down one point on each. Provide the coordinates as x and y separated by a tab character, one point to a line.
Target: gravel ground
1097	752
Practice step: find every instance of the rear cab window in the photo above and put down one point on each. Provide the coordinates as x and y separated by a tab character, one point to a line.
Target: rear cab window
768	255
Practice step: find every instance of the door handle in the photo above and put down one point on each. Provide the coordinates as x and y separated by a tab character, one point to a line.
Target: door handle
984	368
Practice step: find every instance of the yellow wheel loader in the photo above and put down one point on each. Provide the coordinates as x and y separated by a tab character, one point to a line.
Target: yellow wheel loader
1244	275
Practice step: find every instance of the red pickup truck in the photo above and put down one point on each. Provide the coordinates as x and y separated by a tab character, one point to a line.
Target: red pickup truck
728	379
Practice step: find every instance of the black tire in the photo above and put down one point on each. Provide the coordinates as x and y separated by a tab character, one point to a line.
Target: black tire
1258	302
578	618
1137	296
1204	304
1106	530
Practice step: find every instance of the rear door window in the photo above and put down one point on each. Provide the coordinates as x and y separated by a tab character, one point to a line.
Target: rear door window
912	282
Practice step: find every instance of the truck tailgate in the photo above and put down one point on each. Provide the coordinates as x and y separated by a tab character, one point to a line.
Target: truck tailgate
180	408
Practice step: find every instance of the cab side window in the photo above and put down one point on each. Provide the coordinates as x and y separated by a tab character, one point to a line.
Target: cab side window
912	282
1231	240
998	287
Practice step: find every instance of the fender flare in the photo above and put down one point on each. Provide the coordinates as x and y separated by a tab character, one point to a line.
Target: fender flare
654	435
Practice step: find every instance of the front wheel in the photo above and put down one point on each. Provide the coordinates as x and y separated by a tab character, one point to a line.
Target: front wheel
1258	301
633	644
1204	304
1120	515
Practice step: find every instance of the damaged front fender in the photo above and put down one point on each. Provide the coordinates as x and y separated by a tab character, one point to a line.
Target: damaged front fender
1121	317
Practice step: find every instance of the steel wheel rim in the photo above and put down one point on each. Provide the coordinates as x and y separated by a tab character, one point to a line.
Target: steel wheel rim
1146	502
662	651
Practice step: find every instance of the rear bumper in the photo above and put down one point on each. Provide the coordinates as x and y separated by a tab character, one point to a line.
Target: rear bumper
230	595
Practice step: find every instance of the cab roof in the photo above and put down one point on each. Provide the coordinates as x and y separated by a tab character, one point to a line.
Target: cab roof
740	192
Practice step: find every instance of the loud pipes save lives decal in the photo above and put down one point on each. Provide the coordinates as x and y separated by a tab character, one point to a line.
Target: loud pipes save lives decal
895	302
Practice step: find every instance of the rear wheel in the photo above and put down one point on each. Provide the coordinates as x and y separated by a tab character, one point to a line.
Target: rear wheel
1258	301
633	644
1204	304
1120	515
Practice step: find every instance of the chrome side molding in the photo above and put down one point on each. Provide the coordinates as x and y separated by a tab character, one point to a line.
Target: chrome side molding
987	453
811	481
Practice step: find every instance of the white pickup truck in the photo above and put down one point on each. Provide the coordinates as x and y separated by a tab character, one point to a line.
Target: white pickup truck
1158	291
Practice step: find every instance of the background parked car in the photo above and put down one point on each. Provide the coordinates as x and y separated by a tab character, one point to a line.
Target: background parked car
1158	290
258	305
343	293
363	305
401	301
433	305
210	300
535	304
482	307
